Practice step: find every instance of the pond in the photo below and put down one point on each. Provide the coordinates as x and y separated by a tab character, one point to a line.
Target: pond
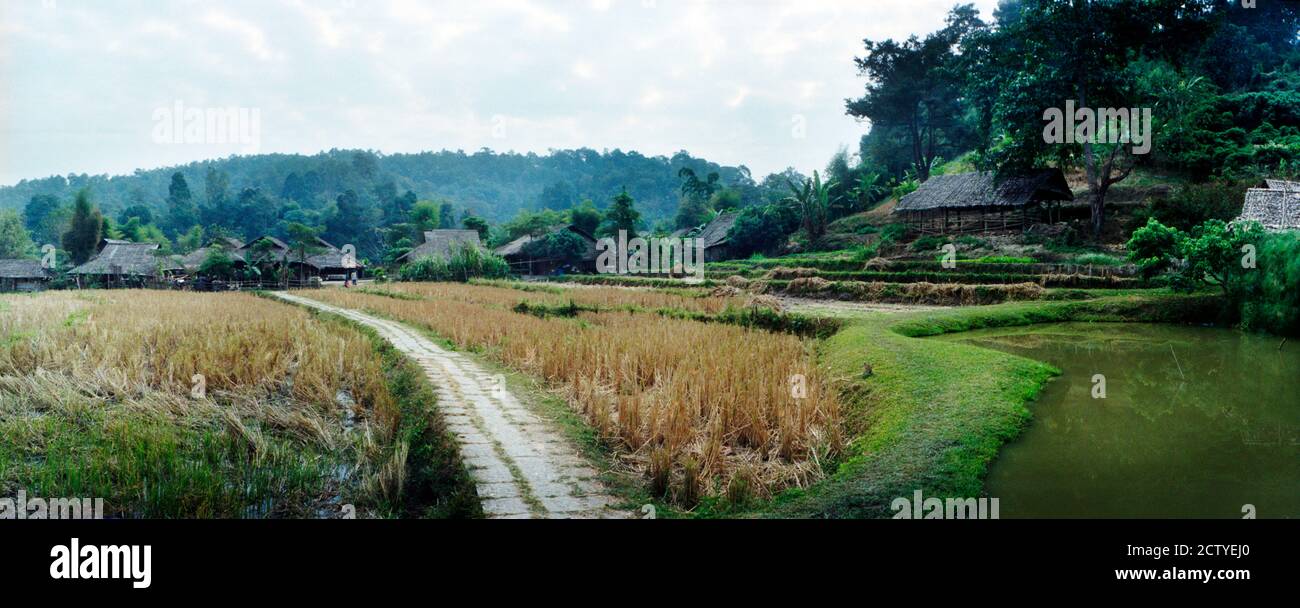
1195	422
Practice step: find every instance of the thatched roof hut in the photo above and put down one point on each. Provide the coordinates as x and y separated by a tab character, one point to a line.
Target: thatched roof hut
1277	207
441	244
22	275
323	257
717	236
976	202
124	259
520	262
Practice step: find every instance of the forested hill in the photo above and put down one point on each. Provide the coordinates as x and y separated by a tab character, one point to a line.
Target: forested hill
491	185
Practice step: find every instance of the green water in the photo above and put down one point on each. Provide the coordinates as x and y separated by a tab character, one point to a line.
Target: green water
1196	422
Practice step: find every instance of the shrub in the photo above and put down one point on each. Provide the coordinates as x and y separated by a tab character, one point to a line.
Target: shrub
561	245
930	243
1270	295
466	263
1194	204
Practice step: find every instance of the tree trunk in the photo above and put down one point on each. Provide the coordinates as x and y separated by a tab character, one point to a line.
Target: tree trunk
1097	204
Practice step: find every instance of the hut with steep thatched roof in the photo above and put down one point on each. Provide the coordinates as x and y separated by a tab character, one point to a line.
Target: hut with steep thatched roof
1276	207
980	202
717	236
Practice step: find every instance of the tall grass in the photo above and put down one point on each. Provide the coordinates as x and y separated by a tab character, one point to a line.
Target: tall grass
716	397
466	263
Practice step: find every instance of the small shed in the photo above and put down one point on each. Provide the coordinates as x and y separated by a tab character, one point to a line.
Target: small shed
516	254
23	275
979	202
441	244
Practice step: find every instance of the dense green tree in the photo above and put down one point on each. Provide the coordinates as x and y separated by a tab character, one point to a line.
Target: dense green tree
182	212
478	225
533	223
914	86
1074	51
446	215
216	188
141	212
763	228
622	215
45	218
15	242
217	264
190	240
561	245
84	229
586	217
692	212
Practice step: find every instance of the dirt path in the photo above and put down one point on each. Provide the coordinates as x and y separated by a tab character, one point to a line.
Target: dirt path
522	466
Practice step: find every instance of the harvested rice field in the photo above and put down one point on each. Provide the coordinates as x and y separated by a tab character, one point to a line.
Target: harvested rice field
169	404
694	409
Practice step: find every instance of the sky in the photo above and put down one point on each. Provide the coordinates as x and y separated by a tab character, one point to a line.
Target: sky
99	86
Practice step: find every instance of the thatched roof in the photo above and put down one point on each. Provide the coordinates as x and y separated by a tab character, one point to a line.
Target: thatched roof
516	247
276	244
716	232
22	269
194	259
125	258
326	256
1275	209
442	243
983	190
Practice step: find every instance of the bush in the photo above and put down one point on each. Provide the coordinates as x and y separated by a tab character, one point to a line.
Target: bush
1194	204
561	245
763	228
466	263
930	243
1268	297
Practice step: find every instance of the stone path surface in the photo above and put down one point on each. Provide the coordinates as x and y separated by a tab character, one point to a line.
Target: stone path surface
522	466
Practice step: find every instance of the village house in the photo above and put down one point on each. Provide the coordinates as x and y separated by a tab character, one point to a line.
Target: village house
979	202
1275	206
521	262
23	275
323	260
124	264
230	245
716	236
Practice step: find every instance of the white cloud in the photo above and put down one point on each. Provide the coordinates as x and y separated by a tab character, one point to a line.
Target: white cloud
719	79
253	37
